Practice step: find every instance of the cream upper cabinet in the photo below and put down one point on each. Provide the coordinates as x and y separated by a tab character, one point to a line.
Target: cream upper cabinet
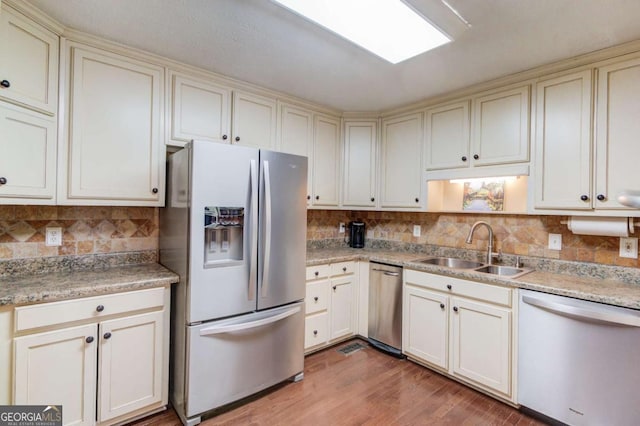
28	159
501	127
199	110
254	121
401	162
28	63
618	126
447	130
326	162
360	163
296	136
113	149
563	142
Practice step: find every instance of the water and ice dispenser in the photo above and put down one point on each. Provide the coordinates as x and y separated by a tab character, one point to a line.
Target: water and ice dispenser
223	235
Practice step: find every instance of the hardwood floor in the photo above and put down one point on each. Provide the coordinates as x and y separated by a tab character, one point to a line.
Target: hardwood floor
364	387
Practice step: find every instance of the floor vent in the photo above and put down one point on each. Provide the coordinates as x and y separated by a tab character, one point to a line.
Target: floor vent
351	348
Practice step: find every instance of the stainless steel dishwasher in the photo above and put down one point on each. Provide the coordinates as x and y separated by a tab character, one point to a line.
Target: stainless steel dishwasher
385	307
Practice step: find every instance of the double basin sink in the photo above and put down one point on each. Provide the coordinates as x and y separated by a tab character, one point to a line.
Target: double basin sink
455	263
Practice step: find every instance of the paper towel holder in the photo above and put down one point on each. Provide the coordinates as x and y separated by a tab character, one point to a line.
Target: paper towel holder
631	224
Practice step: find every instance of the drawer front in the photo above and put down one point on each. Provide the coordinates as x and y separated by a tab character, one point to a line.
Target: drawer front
317	298
455	286
316	272
316	330
48	314
343	268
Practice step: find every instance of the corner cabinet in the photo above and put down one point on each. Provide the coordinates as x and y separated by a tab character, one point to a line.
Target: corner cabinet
326	162
401	183
462	328
104	358
330	304
360	163
112	151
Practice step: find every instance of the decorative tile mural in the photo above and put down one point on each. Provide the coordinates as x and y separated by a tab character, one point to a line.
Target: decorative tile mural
86	230
513	234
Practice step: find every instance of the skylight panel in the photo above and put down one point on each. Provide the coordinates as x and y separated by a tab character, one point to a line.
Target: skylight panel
387	28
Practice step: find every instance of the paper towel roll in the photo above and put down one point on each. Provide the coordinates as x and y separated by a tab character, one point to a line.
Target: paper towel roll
605	226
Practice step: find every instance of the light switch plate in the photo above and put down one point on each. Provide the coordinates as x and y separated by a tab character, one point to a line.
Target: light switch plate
54	236
416	230
555	241
341	228
629	247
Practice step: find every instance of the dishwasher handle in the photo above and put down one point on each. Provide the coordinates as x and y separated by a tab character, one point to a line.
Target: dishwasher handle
591	315
391	274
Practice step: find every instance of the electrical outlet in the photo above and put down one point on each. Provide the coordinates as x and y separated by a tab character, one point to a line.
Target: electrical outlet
416	230
341	228
629	247
54	236
555	241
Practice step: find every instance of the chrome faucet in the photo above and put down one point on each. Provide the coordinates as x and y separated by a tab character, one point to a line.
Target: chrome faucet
490	253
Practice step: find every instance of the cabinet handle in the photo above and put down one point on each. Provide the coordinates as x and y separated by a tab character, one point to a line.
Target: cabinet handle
225	137
344	269
5	84
315	332
601	197
154	190
308	197
100	308
584	198
464	158
237	138
449	286
442	306
3	180
316	273
372	199
476	156
417	200
315	299
335	287
89	339
107	335
455	309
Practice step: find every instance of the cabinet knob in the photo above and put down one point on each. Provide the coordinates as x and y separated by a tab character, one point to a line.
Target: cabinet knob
344	269
3	180
601	197
584	197
5	84
237	138
308	197
107	335
335	287
316	273
154	190
100	308
89	339
442	306
464	158
315	299
417	200
225	137
449	286
476	156
455	309
317	197
315	332
372	199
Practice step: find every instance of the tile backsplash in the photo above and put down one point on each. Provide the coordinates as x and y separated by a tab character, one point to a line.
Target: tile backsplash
86	230
514	234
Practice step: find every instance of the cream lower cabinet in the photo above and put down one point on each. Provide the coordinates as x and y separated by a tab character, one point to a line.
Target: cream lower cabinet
110	368
462	328
330	304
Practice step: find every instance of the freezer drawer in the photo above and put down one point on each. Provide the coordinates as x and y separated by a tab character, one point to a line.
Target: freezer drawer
234	358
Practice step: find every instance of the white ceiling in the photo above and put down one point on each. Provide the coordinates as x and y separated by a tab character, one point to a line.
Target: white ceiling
262	43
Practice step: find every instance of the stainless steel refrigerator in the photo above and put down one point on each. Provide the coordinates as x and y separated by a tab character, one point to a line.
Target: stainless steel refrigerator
234	229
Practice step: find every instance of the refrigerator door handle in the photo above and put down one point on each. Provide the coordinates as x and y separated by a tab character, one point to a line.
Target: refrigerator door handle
253	256
221	329
267	230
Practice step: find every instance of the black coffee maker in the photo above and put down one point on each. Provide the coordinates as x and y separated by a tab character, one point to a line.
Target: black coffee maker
356	234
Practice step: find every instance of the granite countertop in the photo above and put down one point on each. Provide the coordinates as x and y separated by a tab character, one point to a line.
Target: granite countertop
49	287
588	281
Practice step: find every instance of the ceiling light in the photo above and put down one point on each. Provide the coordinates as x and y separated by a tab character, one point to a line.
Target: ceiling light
486	179
387	28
